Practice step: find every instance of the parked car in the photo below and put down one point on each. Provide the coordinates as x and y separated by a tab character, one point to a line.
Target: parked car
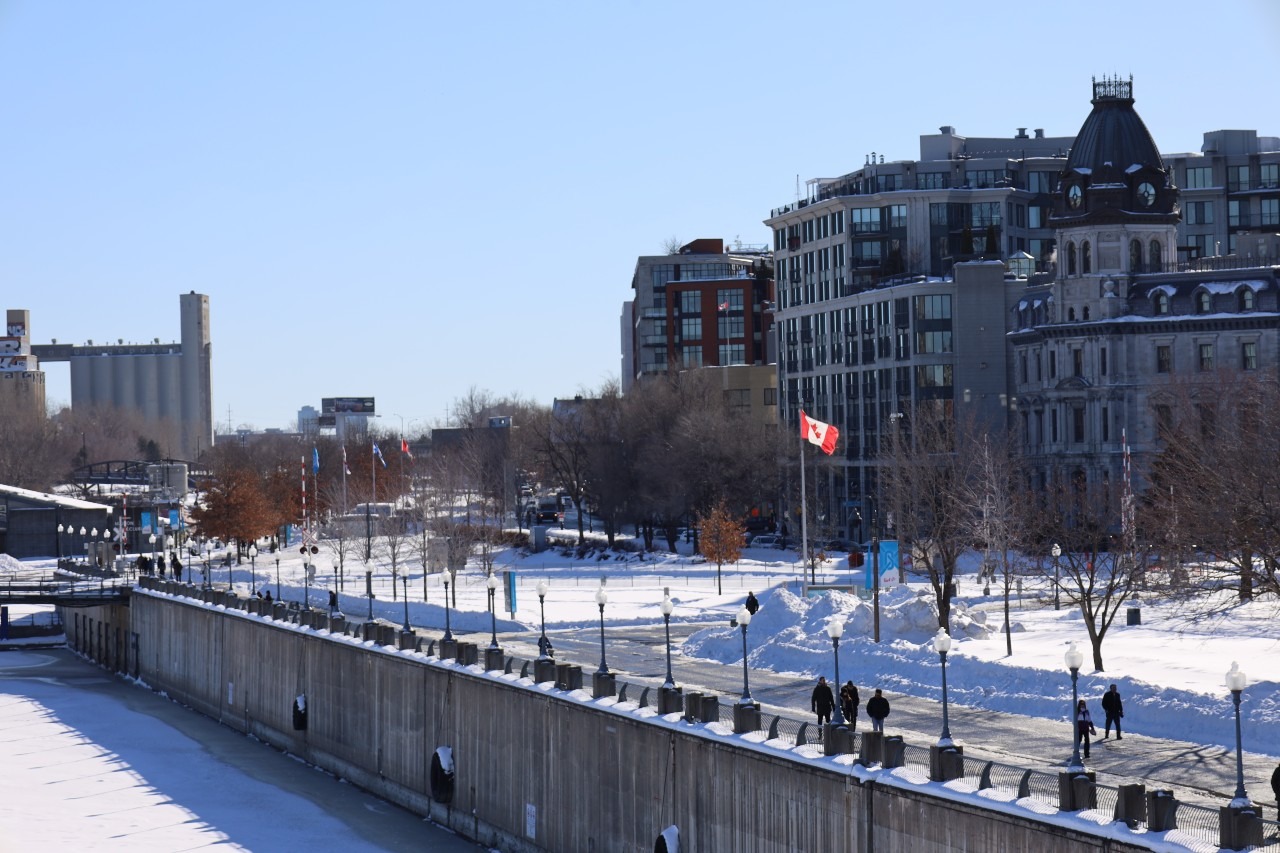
767	540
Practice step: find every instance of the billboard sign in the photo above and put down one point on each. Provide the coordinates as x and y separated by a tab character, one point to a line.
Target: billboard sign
352	405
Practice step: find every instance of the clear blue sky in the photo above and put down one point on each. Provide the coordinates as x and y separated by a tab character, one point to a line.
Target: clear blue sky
408	200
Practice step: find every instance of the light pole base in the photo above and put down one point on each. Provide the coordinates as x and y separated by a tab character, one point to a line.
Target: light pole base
746	718
544	670
1239	826
603	685
946	763
670	700
837	739
1077	789
448	649
493	659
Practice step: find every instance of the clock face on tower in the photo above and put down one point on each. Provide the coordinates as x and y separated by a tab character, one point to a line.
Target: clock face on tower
1146	194
1074	196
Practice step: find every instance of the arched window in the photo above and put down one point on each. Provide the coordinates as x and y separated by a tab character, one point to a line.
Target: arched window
1071	259
1135	256
1245	298
1154	260
1071	314
1086	258
1086	312
1204	302
1161	302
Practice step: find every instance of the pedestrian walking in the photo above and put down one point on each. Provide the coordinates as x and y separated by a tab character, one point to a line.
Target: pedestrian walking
160	565
822	701
849	704
1084	726
176	565
753	603
877	710
1114	709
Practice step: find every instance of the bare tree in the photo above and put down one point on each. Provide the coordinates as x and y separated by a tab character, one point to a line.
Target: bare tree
671	245
721	538
994	497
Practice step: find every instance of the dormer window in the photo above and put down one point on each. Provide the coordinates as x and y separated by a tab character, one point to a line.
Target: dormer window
1245	298
1204	302
1161	302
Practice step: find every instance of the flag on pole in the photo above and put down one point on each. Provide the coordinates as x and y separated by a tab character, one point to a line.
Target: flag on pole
346	469
404	448
378	453
315	460
816	432
724	306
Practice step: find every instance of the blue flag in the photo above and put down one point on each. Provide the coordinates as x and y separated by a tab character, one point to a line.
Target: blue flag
315	460
378	453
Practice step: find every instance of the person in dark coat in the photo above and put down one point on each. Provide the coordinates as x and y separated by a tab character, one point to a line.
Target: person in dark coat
1275	787
822	701
849	704
877	710
1114	709
1084	726
177	566
160	565
753	603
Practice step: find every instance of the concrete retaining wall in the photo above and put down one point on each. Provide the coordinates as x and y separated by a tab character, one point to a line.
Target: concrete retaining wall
536	770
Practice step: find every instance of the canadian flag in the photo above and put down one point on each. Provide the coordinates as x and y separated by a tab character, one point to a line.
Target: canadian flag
823	435
404	448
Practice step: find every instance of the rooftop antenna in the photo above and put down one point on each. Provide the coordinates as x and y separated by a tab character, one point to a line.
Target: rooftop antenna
797	186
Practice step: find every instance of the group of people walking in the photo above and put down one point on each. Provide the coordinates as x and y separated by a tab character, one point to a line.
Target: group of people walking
146	566
1112	709
823	702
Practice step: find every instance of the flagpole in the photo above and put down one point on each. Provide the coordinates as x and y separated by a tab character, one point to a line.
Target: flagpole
368	506
804	510
344	479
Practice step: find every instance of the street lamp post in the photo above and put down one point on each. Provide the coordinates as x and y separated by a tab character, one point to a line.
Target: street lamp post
404	579
667	608
253	569
368	591
61	528
83	534
1056	551
942	645
835	628
1236	683
492	584
602	598
152	540
277	578
448	632
1074	658
544	645
744	619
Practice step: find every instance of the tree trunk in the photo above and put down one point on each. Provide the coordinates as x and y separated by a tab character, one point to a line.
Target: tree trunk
1246	575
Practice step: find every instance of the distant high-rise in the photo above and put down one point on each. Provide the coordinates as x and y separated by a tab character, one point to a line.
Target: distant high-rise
21	380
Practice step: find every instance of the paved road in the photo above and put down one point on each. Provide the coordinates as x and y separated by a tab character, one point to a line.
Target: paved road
1195	772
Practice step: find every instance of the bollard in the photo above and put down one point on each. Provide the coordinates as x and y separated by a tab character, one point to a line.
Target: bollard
568	676
603	685
836	739
871	748
543	671
408	641
670	700
468	654
693	706
493	659
1162	811
1073	797
893	751
1239	827
710	709
1131	805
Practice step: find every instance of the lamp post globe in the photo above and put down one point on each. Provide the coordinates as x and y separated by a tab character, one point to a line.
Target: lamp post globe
667	608
835	630
492	584
744	619
544	645
1236	682
1074	659
602	598
942	645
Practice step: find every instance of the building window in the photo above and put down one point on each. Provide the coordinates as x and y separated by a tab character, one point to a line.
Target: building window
1161	302
1270	214
1022	366
1154	259
1041	182
1077	362
933	342
936	307
732	354
1204	302
1135	256
1077	424
1269	176
1199	213
865	220
1071	259
1086	258
729	299
691	357
1248	356
1053	364
1234	217
690	302
1206	356
1053	425
931	180
1199	177
1105	424
1237	178
897	214
1245	298
770	396
1102	361
691	328
1164	358
1164	421
933	376
731	327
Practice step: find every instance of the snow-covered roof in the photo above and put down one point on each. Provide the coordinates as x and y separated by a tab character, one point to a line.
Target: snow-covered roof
53	500
1230	286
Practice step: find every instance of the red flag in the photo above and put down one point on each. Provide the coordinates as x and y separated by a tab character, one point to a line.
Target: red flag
345	469
404	448
724	306
816	432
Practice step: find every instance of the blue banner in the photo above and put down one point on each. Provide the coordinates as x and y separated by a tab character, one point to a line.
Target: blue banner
888	560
